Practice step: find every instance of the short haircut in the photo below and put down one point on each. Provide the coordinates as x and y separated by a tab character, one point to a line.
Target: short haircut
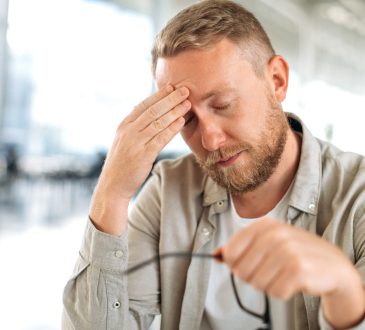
208	22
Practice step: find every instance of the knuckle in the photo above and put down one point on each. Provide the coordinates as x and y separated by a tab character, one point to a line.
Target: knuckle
120	129
240	273
171	129
258	284
280	292
142	105
161	139
153	112
124	125
135	108
290	249
128	118
158	124
298	267
154	125
279	234
284	294
273	291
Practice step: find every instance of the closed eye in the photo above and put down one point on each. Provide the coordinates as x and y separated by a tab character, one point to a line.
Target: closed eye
222	107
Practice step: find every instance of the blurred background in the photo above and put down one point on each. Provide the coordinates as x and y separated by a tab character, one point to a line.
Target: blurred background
70	70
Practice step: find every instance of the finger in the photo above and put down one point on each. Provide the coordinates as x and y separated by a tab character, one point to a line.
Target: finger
164	121
269	268
159	141
148	102
260	249
161	107
285	284
238	245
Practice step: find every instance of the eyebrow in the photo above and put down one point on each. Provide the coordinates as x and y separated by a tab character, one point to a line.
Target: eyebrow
215	92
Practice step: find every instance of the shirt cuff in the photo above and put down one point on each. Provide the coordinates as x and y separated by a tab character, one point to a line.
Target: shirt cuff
324	325
106	251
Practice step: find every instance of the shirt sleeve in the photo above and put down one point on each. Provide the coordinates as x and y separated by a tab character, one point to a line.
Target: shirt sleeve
359	260
324	325
95	296
98	296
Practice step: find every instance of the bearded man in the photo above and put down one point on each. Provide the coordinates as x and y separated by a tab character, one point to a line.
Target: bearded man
281	210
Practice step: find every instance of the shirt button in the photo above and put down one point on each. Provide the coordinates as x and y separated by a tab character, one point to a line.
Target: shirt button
312	206
116	305
206	231
220	203
119	253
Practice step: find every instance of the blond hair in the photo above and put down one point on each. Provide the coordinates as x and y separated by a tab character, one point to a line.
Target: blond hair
207	22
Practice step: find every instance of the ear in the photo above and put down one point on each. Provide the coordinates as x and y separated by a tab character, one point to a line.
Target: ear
278	70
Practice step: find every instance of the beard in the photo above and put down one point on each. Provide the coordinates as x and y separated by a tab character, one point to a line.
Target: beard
260	162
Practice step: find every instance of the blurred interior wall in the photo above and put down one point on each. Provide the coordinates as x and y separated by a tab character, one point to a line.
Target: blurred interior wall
315	36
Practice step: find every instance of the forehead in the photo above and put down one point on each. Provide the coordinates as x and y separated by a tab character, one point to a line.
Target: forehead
222	65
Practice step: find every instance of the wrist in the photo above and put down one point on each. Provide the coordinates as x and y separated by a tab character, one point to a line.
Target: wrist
109	214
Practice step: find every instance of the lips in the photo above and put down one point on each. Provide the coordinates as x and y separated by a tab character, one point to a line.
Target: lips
228	160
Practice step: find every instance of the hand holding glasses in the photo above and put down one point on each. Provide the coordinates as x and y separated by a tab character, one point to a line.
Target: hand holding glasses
265	317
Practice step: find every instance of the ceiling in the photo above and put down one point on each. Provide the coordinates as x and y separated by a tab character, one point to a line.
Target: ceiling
322	39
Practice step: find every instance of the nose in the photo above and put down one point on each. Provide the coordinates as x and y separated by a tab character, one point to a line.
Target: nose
212	134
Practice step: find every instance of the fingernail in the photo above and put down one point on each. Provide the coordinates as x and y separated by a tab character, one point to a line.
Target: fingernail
186	104
183	91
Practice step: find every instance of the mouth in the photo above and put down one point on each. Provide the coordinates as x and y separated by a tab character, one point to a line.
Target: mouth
229	160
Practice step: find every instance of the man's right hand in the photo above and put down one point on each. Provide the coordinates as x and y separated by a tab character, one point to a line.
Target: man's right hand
139	139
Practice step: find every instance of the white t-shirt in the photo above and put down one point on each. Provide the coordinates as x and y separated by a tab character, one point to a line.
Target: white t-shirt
221	308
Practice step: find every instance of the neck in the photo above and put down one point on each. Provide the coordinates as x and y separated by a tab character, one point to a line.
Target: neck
263	199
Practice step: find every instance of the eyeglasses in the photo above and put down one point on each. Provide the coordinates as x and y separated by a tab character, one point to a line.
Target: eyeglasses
265	317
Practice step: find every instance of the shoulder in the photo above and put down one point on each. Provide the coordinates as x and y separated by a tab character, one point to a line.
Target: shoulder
343	180
181	163
341	163
183	172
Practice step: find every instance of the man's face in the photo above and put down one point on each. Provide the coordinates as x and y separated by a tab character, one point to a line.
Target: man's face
236	127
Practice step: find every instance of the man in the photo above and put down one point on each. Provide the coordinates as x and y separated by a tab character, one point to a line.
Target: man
283	210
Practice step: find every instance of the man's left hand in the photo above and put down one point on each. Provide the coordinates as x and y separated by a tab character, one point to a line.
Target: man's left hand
283	260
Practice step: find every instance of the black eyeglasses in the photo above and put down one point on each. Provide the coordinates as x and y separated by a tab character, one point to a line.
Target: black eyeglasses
265	317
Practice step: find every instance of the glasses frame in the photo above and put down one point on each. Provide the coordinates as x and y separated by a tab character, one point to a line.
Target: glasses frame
265	317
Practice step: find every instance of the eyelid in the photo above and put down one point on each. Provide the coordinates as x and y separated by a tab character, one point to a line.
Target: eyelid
222	107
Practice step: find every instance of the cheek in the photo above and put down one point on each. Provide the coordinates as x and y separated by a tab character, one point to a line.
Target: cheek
193	140
186	134
189	137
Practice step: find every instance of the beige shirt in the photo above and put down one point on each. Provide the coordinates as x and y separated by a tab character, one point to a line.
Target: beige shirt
221	308
177	211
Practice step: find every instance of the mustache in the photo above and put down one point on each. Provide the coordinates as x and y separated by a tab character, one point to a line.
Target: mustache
223	153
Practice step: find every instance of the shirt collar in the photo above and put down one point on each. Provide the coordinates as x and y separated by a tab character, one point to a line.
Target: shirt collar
213	193
306	186
307	181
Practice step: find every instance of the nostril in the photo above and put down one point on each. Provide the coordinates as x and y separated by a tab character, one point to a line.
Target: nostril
212	141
